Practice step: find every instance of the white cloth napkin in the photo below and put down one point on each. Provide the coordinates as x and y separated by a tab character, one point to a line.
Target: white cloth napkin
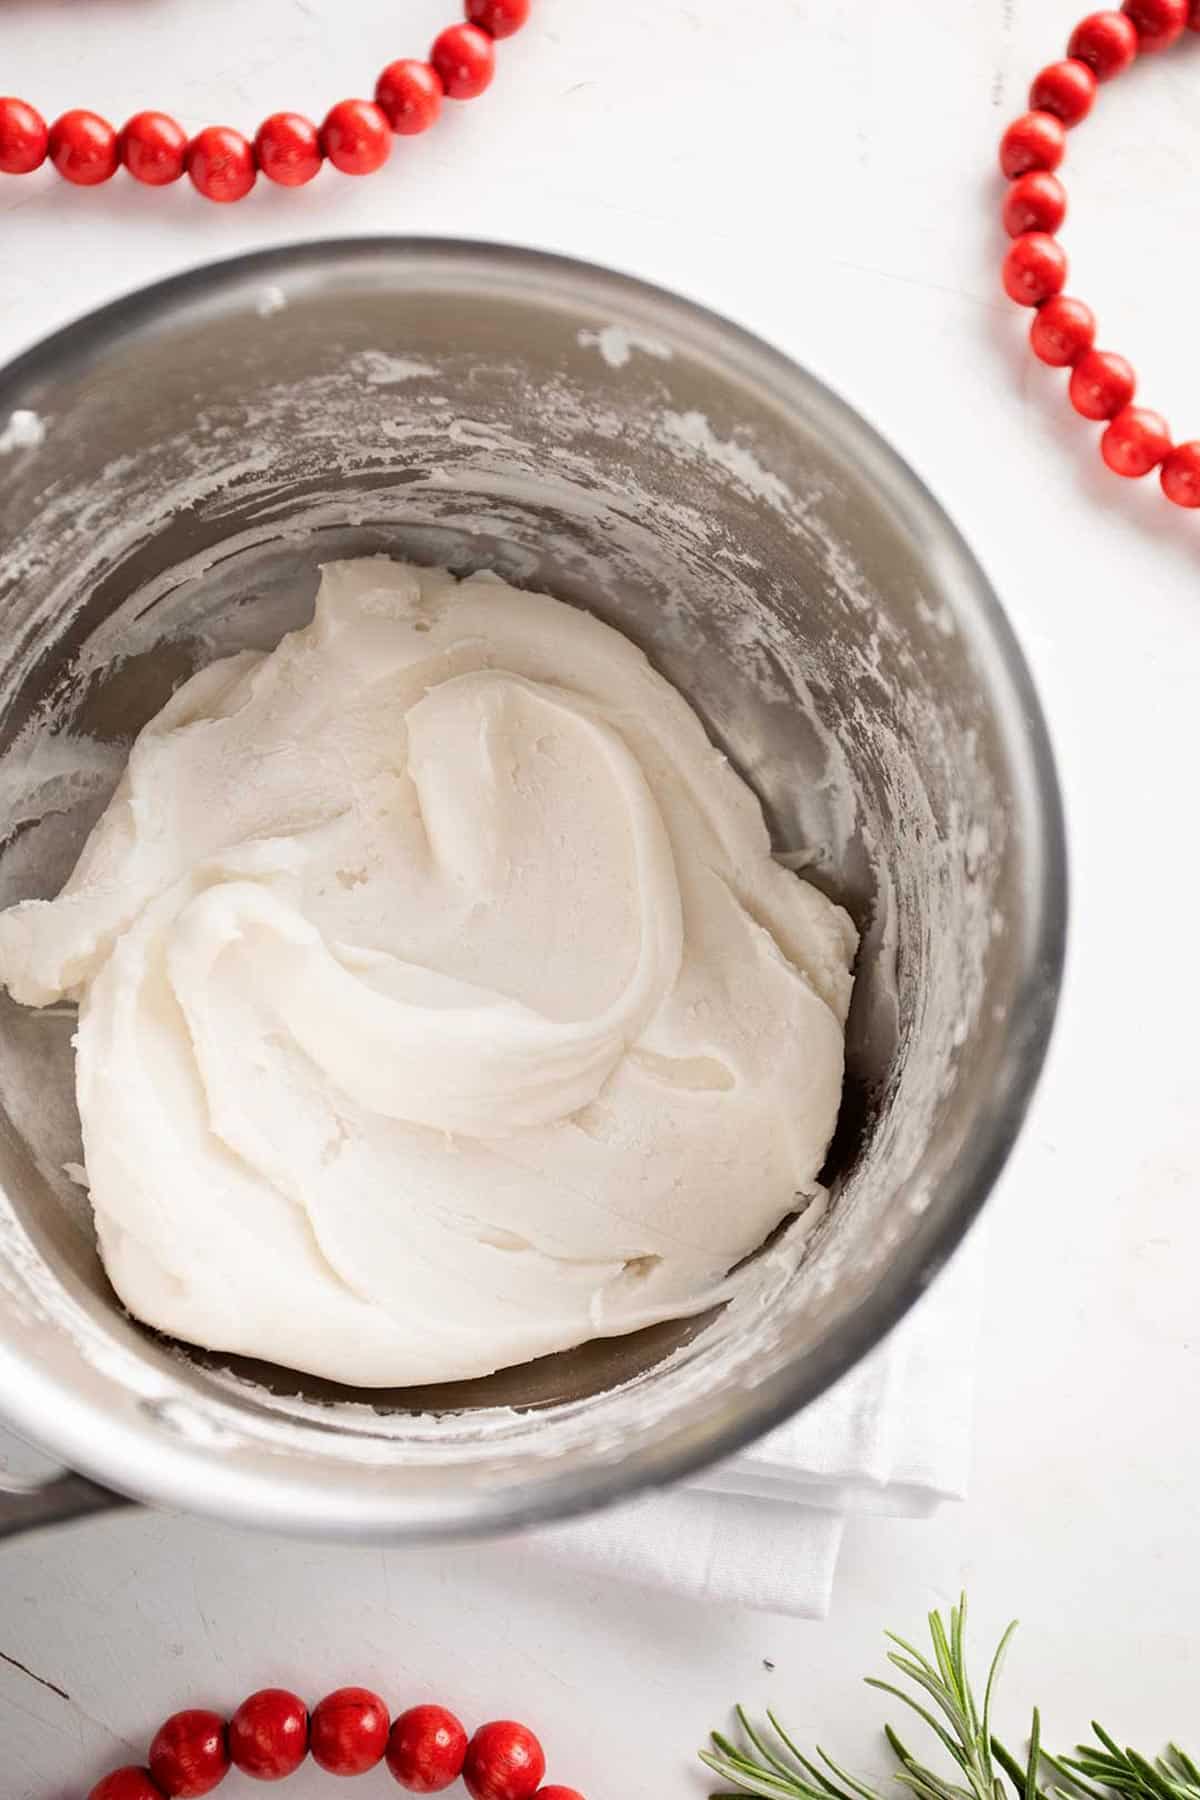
894	1436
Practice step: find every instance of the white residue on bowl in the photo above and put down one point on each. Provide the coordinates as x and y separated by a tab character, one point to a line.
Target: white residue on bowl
24	431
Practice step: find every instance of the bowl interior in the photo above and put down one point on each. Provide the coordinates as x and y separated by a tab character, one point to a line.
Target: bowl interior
194	456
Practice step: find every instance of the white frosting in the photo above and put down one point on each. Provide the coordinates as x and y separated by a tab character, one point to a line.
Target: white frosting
441	1005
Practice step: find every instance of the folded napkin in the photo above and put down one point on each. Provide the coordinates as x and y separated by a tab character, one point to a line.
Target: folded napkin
764	1530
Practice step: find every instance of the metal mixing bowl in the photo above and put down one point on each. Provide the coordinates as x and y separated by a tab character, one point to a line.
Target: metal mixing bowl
177	467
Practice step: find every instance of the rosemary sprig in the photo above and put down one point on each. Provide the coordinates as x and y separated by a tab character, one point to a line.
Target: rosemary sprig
770	1765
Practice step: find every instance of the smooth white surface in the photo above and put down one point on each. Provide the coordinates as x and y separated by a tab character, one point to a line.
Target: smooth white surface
824	173
448	897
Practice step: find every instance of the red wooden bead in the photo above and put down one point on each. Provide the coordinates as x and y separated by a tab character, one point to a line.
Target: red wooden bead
426	1749
1061	331
1101	384
1106	41
1066	89
288	149
1036	140
348	1731
268	1734
504	1762
220	162
499	18
83	148
1034	269
24	137
356	137
409	94
189	1755
126	1784
1159	23
465	59
1034	202
1180	475
153	147
1135	442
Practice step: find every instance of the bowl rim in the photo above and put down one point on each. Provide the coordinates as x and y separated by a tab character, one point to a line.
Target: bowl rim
138	1461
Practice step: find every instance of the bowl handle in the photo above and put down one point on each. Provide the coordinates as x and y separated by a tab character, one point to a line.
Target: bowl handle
30	1505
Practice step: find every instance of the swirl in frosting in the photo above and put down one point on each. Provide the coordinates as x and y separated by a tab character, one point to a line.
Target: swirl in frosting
440	1003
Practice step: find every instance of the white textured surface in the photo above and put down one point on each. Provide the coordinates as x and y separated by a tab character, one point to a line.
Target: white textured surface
824	174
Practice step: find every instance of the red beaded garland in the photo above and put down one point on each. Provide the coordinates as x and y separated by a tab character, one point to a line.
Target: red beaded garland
465	59
126	1784
348	1731
83	148
1101	384
504	1762
1066	89
499	18
356	137
1037	140
1180	475
409	94
153	147
1034	269
1158	23
1062	333
268	1734
1062	330
288	149
24	137
1034	202
426	1749
1136	442
221	164
189	1755
1106	41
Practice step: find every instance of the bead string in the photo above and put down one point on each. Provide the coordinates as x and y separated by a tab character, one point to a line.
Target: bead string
1063	333
289	149
271	1734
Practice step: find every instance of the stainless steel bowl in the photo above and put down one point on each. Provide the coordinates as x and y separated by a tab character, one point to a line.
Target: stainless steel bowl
177	466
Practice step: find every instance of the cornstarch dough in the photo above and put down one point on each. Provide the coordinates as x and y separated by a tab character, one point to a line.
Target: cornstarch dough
440	1004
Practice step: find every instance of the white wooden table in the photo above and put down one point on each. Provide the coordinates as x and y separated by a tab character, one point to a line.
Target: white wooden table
823	171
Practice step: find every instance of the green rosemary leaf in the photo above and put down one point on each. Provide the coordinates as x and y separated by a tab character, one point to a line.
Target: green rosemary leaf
754	1781
918	1781
918	1656
724	1747
1079	1782
1185	1765
848	1781
1110	1745
958	1631
1035	1756
1166	1787
823	1781
915	1771
763	1749
937	1690
945	1660
887	1687
993	1676
1009	1763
